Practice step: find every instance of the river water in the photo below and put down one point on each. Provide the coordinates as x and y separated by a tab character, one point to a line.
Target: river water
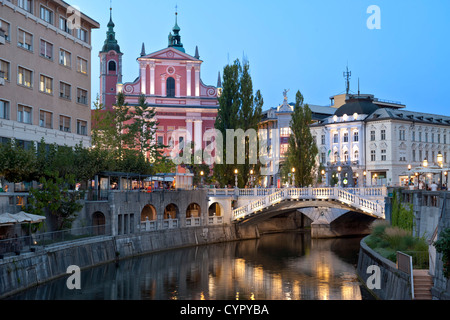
288	266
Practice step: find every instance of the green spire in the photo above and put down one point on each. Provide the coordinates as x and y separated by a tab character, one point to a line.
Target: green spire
175	38
111	42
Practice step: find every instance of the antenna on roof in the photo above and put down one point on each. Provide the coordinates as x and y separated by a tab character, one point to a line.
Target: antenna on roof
347	76
358	87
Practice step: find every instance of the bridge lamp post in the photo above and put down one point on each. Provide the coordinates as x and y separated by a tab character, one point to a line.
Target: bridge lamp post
339	176
236	178
409	173
365	176
440	161
201	175
323	177
293	177
446	179
425	165
251	178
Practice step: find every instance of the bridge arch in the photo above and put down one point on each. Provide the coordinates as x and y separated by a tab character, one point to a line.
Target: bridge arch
98	222
193	210
215	209
148	212
171	211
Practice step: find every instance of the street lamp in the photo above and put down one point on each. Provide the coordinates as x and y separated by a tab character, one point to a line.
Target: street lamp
251	178
446	179
440	161
293	177
323	177
236	178
201	175
339	171
409	173
425	163
365	175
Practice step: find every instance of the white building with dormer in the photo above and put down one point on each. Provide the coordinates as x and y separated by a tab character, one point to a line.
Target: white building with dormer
372	142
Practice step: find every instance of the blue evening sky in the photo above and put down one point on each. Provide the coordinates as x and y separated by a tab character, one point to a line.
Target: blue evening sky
296	44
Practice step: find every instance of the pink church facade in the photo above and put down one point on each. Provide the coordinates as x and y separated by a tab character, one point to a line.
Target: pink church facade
171	81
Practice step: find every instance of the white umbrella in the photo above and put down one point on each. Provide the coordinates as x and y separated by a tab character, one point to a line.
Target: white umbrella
6	219
28	217
10	218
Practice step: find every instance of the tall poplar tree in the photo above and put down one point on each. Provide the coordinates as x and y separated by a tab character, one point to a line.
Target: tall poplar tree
227	117
239	109
302	151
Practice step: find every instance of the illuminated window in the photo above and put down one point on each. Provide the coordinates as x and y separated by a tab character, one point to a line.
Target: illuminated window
46	84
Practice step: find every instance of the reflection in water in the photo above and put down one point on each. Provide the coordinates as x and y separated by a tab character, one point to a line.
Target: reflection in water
289	266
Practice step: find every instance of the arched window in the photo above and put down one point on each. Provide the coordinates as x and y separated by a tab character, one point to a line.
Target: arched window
112	66
335	156
170	84
356	155
346	156
148	213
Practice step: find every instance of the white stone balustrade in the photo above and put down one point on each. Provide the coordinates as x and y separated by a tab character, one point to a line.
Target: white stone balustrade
352	197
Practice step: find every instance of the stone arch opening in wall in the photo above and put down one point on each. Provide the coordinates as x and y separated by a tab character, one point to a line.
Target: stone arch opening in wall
98	223
193	211
215	210
171	211
148	213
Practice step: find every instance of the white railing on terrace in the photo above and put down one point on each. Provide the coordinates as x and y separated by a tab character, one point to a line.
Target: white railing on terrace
255	192
354	199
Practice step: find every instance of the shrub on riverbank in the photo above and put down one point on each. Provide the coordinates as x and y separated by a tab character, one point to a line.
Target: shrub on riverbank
386	240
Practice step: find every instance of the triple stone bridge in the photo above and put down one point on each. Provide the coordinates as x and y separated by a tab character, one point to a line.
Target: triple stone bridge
332	211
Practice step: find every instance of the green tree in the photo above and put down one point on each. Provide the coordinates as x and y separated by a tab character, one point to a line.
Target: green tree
58	197
302	151
402	215
109	127
227	118
442	246
141	130
17	164
239	109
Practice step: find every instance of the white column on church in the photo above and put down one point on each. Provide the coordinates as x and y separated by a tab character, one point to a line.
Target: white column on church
152	79
178	86
189	130
143	78
198	139
163	85
197	81
188	80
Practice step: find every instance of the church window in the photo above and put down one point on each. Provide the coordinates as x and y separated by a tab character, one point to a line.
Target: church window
112	66
170	87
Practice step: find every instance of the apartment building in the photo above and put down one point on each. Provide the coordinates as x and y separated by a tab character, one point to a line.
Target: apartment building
45	64
370	142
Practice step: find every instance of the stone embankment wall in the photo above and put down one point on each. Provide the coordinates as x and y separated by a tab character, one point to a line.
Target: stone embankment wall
21	272
394	284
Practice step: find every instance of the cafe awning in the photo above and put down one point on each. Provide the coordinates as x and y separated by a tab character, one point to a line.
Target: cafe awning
7	219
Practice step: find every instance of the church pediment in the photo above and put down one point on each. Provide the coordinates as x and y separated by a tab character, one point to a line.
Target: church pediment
169	54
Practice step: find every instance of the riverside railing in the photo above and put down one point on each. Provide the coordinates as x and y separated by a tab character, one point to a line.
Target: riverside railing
18	245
